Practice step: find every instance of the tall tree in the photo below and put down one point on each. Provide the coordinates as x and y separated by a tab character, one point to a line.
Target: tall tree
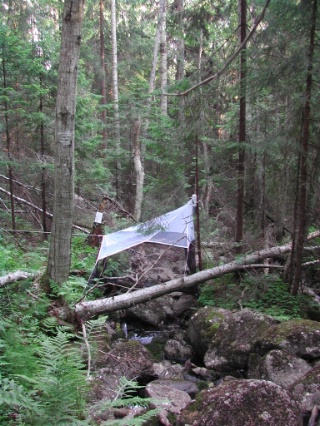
59	258
163	56
300	221
115	89
139	170
8	134
242	124
103	77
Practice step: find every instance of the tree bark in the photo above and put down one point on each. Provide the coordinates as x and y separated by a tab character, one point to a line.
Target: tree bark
242	127
8	143
59	258
43	170
124	301
300	220
180	57
115	88
16	276
103	79
139	169
163	56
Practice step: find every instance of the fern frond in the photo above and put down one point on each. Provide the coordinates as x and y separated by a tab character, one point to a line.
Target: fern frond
15	396
135	421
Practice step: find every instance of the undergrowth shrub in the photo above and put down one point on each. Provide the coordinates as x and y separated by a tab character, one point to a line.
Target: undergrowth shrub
19	256
126	397
83	256
43	377
51	389
265	293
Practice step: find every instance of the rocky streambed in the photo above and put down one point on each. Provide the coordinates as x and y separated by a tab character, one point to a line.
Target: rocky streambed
209	366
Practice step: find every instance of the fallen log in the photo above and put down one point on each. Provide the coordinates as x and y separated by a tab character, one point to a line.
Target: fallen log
16	276
86	309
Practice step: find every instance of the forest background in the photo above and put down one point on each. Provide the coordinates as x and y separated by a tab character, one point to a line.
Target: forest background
172	99
149	133
248	129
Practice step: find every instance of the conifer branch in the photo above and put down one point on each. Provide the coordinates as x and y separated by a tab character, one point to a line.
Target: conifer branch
230	60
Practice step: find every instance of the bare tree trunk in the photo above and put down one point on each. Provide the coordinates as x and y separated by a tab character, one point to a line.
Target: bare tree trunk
242	127
300	231
124	301
163	56
180	57
43	171
155	59
139	169
103	79
8	143
115	94
59	258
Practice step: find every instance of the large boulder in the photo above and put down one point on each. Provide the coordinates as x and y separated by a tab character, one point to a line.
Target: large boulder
154	313
128	359
177	350
278	366
234	340
202	328
307	389
242	402
158	312
299	337
180	384
167	399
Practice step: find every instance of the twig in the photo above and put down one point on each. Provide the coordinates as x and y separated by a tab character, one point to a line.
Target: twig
230	60
152	266
23	201
314	414
84	334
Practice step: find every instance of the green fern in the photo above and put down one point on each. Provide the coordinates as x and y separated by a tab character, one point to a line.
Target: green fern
136	421
59	384
124	398
15	397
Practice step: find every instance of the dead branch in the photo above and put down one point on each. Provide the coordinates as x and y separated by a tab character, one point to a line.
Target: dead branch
123	301
123	210
314	416
262	265
90	308
230	60
16	276
33	206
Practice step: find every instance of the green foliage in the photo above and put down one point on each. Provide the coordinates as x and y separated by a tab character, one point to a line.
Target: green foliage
276	300
50	386
60	380
219	293
43	379
126	398
20	256
71	291
264	293
83	256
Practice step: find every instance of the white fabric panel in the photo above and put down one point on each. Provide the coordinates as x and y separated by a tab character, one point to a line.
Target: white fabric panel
174	229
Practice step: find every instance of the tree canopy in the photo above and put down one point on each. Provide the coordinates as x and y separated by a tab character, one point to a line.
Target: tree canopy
201	45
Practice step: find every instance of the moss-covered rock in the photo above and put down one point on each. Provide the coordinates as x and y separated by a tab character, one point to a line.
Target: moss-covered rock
203	326
307	389
278	366
298	336
245	403
234	340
